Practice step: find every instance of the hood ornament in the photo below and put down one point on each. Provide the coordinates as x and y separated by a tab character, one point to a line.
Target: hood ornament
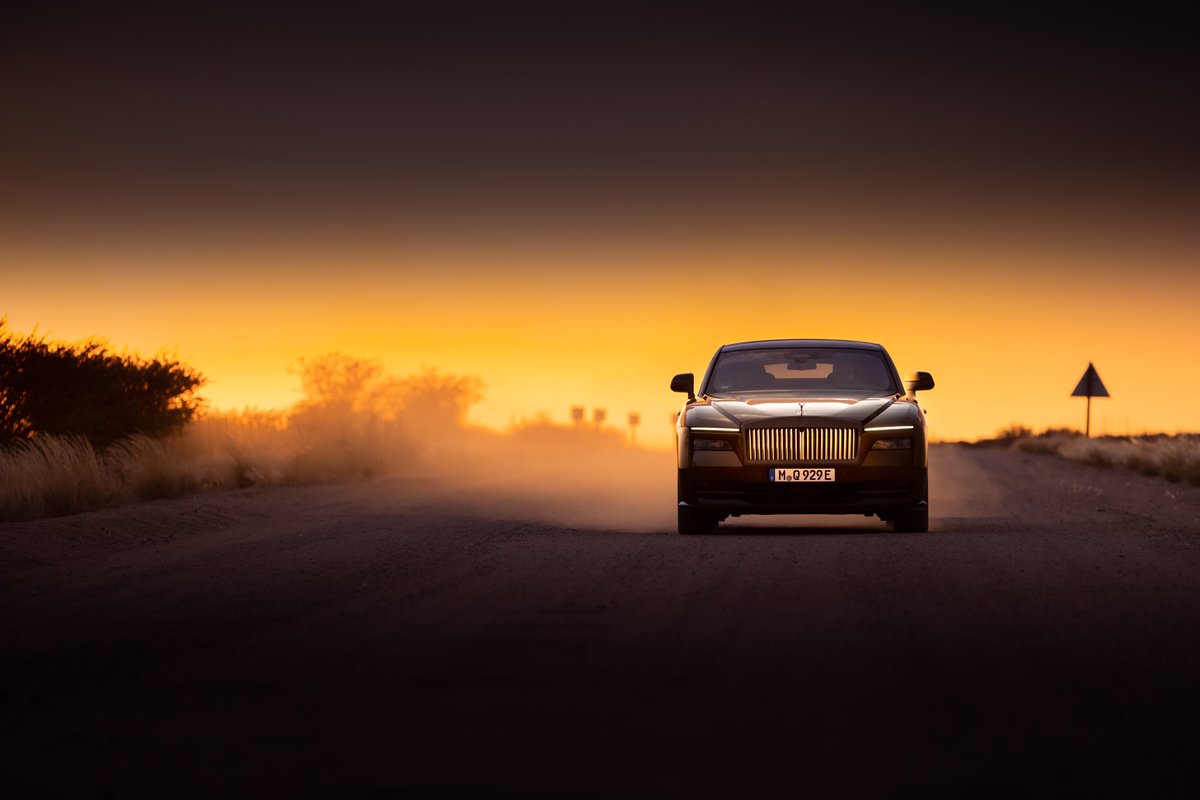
801	412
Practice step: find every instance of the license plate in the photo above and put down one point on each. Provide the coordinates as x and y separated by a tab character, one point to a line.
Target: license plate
800	475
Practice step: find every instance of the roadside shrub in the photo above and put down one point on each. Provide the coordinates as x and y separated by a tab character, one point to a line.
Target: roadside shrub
83	390
1050	441
1024	438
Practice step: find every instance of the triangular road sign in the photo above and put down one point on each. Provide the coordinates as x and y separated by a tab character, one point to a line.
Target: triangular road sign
1090	384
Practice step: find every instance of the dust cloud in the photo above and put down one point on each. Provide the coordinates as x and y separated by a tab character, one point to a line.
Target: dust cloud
406	440
959	487
576	477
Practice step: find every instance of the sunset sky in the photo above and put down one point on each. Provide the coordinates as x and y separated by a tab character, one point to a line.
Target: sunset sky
576	206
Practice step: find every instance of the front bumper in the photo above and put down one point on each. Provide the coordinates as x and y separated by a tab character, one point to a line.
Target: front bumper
857	490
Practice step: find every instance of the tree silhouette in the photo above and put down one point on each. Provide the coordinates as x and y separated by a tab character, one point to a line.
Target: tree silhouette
83	389
436	400
347	396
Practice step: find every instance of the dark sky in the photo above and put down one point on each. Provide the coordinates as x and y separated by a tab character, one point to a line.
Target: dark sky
461	115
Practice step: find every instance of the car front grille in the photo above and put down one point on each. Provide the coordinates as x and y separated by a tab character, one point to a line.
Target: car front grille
781	445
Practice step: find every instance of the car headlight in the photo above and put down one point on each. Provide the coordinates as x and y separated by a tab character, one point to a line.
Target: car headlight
711	444
893	444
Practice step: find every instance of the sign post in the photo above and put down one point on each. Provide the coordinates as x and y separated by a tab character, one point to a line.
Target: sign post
1090	386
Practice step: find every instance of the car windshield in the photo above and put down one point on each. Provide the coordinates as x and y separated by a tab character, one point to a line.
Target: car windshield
792	370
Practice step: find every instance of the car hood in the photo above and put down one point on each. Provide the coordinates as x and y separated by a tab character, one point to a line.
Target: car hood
742	411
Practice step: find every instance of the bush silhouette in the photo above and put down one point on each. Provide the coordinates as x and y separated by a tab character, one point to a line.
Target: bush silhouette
82	389
355	418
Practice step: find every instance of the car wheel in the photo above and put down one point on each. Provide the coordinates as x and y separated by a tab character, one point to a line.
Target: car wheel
912	520
693	521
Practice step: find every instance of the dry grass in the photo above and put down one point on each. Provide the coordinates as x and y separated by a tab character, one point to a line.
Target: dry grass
1174	457
52	475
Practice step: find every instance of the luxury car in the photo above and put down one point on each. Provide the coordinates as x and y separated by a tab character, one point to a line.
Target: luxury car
802	426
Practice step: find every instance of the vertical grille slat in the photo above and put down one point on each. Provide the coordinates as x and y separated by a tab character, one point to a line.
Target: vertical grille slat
801	444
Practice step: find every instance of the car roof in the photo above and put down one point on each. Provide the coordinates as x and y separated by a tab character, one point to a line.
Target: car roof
767	343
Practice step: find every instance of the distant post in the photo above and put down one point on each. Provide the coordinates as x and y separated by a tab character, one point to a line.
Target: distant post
577	415
1090	386
634	420
598	415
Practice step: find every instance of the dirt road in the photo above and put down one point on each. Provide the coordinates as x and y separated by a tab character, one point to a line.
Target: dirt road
354	640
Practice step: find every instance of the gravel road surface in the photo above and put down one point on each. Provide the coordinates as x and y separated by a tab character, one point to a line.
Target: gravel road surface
1042	639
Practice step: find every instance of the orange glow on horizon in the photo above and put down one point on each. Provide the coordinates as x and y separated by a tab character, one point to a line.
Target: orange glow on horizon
1005	334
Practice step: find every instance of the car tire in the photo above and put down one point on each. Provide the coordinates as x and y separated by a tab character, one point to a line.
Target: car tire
694	522
911	520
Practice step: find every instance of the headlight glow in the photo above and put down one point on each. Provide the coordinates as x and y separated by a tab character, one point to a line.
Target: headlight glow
893	444
711	444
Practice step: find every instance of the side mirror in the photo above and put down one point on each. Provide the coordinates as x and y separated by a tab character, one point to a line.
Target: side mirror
921	382
684	382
